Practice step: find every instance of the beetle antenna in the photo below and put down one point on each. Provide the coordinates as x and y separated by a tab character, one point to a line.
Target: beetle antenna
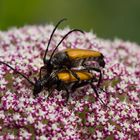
17	72
51	37
74	30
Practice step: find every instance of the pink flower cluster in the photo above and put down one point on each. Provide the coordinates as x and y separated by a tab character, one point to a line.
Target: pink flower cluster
84	117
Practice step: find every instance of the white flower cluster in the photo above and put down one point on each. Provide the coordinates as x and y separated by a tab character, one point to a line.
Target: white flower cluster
84	117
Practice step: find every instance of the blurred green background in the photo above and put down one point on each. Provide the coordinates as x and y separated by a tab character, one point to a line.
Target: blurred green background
107	18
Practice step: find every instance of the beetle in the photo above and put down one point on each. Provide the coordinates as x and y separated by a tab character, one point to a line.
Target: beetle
61	81
66	81
69	58
64	60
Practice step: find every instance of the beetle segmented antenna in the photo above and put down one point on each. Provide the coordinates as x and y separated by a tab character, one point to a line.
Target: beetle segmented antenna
17	72
52	36
74	30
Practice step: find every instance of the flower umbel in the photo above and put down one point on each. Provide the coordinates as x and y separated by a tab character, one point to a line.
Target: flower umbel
84	117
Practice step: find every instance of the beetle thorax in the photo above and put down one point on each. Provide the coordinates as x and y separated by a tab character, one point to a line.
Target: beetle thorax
60	59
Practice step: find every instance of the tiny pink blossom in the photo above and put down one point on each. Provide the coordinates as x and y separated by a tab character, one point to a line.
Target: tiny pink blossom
84	117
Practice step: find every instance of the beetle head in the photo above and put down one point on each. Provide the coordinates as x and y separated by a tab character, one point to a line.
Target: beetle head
37	87
102	63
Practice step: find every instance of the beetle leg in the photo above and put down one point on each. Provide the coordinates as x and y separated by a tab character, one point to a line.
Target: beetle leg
68	94
50	93
53	74
83	83
73	73
97	95
83	62
77	77
97	70
78	85
40	74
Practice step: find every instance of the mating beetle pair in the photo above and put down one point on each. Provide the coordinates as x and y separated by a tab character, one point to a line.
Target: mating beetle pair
58	68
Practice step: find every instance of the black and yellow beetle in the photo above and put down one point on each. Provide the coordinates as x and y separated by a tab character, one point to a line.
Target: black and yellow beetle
66	81
61	81
69	58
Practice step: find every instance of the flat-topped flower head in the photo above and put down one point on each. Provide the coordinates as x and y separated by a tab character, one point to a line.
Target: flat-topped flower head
84	117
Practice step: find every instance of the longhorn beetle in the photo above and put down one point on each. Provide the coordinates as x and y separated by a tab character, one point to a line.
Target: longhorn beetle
69	58
61	81
66	81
